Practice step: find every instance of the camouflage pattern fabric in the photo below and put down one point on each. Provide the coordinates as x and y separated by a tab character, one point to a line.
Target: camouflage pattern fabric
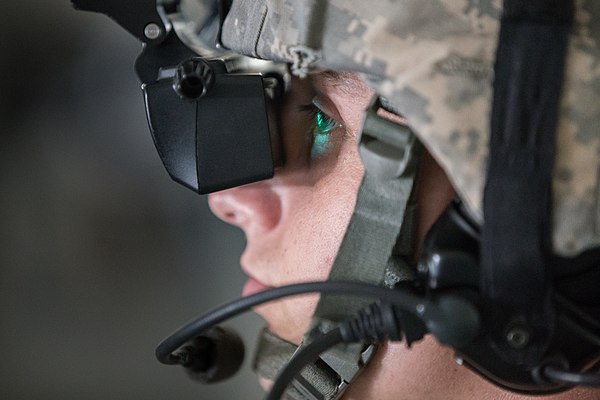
433	60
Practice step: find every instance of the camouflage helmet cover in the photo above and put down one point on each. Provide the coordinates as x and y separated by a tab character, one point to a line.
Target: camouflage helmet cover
434	61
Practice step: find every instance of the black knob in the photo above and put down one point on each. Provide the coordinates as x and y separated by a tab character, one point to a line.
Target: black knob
194	78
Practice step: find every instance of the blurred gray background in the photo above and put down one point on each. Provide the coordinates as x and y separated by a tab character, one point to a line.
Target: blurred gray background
101	254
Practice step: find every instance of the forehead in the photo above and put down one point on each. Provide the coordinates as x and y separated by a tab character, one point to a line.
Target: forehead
345	82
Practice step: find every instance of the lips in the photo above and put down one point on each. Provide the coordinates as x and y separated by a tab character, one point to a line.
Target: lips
253	286
255	282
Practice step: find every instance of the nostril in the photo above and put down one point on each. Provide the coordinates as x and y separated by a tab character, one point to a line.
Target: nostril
254	207
232	217
222	208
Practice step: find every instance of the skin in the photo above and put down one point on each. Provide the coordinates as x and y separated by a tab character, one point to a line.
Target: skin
295	222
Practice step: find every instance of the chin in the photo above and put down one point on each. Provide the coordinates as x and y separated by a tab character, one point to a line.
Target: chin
289	319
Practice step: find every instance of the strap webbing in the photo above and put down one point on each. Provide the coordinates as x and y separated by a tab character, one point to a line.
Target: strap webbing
379	239
376	249
371	247
517	197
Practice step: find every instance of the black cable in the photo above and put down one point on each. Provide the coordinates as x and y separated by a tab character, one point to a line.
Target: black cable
304	357
404	300
571	378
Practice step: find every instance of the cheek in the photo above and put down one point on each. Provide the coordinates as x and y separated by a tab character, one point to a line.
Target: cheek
314	232
315	242
321	223
308	256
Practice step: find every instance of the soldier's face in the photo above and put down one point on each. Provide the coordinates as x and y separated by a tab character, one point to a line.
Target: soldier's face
295	222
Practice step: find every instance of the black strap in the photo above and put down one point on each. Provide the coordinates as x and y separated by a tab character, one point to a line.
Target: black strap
517	198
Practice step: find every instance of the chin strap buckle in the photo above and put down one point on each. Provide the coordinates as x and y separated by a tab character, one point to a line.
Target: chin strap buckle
326	379
341	371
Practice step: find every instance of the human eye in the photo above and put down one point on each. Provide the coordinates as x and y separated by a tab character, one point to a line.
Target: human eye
322	126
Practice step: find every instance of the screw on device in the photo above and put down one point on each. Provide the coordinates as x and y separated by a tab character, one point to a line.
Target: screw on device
194	78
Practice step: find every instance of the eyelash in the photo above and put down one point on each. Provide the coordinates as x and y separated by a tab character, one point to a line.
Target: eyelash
322	125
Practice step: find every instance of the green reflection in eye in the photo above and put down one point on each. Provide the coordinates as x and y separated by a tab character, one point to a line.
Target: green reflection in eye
324	124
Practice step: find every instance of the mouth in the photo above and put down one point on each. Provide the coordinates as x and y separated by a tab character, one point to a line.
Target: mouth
253	286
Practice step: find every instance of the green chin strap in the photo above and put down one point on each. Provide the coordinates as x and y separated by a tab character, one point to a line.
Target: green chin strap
376	249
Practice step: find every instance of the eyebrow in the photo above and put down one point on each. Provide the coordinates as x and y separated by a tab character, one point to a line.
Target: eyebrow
333	76
338	78
349	82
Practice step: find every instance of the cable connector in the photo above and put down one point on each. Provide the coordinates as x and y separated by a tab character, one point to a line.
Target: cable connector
380	322
373	324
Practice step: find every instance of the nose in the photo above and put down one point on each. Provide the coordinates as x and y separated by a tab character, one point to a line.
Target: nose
255	208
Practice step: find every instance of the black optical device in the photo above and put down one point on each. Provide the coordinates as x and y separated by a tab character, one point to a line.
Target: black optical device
213	119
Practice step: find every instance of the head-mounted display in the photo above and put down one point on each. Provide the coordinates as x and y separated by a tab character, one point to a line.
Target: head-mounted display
197	106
